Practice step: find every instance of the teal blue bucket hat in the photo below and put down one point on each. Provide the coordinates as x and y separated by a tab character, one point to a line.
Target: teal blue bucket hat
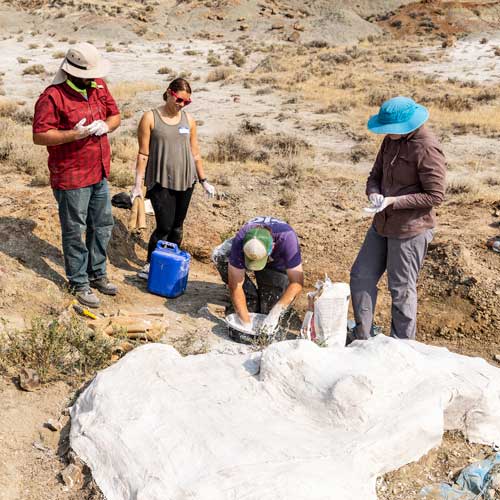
399	115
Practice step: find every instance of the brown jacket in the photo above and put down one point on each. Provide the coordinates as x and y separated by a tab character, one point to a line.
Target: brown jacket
413	169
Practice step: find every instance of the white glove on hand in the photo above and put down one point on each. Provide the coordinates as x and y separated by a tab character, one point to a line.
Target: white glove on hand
270	324
246	326
98	128
376	199
375	209
136	192
209	189
81	129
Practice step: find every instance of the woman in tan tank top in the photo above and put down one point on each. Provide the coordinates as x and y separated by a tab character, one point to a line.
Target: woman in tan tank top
169	164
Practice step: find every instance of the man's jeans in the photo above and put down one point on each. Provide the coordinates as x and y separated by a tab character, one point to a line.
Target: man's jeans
85	210
402	259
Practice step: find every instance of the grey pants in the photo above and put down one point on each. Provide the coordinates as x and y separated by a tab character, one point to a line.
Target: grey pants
271	283
85	212
402	259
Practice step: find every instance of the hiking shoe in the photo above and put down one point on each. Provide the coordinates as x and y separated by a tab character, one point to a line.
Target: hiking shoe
87	297
104	286
144	272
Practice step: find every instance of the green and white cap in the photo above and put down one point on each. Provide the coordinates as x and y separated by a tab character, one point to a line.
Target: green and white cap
257	246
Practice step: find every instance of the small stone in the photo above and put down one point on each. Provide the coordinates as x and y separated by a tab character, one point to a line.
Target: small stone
294	37
243	27
29	380
277	26
53	425
72	476
496	357
240	19
298	27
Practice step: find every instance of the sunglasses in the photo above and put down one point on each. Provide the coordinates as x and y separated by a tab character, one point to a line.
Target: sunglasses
180	100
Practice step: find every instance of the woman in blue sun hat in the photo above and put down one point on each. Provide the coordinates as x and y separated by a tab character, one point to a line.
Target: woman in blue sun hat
405	184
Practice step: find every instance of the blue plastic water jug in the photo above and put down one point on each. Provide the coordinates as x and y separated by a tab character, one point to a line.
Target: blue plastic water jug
168	270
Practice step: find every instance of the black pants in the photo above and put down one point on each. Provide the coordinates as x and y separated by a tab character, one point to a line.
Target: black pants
170	211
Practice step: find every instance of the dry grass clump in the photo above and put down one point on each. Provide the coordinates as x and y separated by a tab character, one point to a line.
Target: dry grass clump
251	128
213	59
56	349
22	60
34	69
7	108
230	147
121	175
219	74
165	70
238	58
125	91
123	148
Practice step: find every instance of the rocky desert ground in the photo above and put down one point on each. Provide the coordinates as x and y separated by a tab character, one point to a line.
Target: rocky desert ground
281	93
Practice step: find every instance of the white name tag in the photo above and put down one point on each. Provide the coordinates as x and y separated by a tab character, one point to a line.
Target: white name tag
183	130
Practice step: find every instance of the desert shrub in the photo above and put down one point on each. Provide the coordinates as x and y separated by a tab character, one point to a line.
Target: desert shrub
289	170
317	44
48	45
486	95
492	181
460	187
417	56
334	107
165	70
34	69
22	60
191	52
264	91
121	175
283	144
238	58
58	54
358	153
334	57
287	197
219	74
376	97
33	46
269	65
56	349
40	179
213	59
7	108
230	147
248	127
123	148
453	102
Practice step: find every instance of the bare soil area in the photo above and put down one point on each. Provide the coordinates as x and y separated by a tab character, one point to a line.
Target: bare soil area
282	128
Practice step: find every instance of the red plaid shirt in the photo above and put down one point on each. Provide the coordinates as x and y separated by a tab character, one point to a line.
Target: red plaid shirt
79	163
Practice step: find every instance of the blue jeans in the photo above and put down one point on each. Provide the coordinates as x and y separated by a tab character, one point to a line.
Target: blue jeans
85	210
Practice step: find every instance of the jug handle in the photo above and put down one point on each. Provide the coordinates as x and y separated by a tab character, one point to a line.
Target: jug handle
168	244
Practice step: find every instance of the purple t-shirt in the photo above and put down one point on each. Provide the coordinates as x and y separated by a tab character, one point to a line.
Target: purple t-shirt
286	250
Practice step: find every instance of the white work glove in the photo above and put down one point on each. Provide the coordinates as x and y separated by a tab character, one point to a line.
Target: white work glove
137	189
375	209
376	199
82	130
98	128
270	323
136	192
209	189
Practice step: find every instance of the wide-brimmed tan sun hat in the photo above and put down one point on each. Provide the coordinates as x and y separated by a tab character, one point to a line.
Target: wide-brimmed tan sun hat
83	61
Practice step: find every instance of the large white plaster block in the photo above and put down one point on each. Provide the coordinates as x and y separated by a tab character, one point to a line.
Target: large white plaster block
296	422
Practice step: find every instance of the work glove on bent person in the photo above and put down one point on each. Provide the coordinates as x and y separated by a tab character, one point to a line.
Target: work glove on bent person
376	199
209	189
270	323
98	127
83	131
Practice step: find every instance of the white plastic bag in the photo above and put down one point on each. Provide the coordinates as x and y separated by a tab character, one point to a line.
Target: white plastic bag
326	322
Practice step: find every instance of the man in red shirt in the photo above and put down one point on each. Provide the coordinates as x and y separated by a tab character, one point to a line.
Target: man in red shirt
72	119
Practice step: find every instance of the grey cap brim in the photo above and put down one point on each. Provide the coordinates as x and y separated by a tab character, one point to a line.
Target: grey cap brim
419	117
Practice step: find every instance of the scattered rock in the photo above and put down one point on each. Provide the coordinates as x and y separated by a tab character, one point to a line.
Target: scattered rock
294	37
298	27
243	27
53	425
72	476
278	26
29	380
496	357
